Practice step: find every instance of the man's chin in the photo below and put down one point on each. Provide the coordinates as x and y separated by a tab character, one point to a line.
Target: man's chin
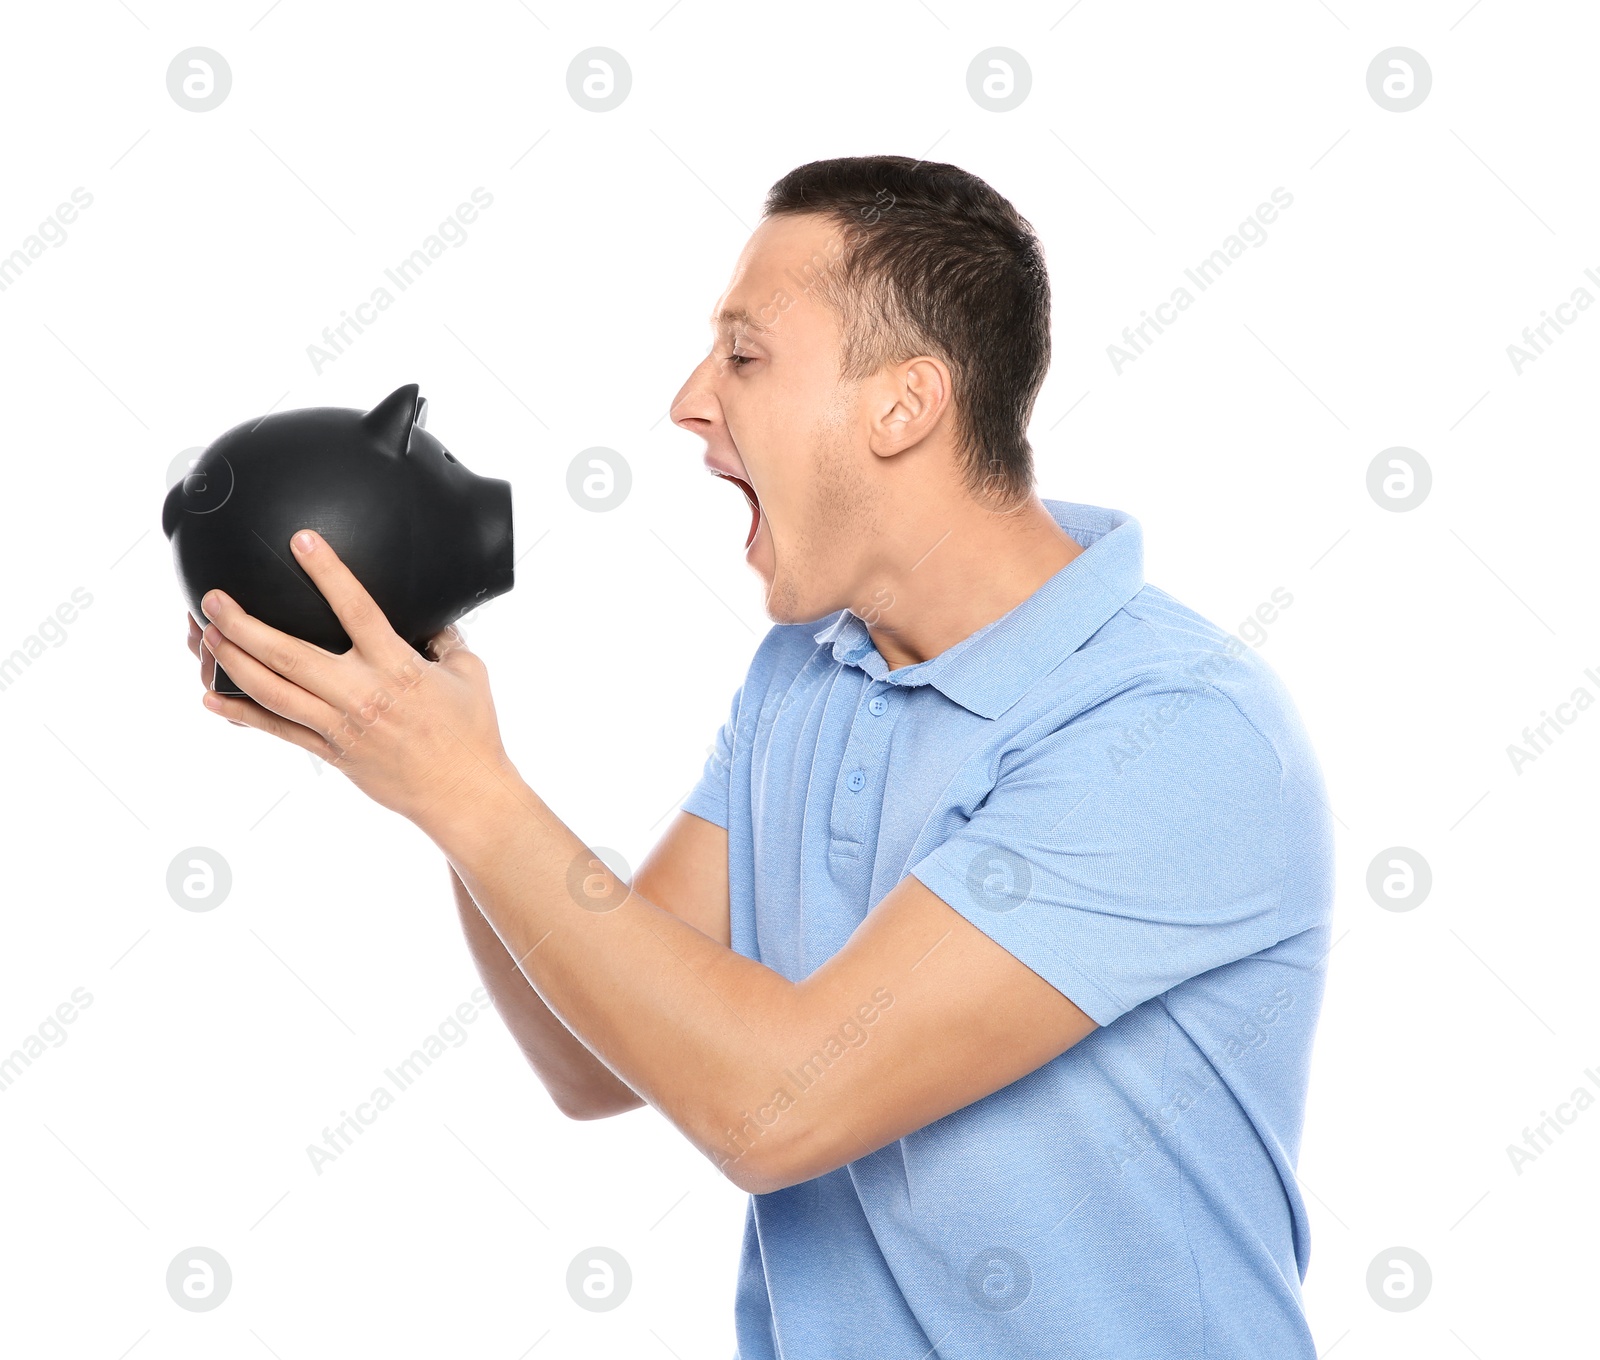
789	596
784	603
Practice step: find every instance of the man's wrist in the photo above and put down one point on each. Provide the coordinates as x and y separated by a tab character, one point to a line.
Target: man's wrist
481	811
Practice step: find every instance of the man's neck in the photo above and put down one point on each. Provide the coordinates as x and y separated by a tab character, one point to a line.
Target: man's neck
955	569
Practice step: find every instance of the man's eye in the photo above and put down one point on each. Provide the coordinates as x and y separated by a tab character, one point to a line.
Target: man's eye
739	360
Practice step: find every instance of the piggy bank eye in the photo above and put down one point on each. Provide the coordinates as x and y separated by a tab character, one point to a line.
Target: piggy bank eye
449	457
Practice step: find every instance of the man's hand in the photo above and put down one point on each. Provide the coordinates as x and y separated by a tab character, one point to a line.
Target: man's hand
416	733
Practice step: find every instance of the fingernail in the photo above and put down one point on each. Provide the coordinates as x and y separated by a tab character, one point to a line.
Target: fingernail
211	602
212	702
304	542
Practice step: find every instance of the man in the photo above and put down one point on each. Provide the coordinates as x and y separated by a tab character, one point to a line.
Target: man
988	950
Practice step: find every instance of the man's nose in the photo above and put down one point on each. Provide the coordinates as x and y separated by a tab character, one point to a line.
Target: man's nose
695	407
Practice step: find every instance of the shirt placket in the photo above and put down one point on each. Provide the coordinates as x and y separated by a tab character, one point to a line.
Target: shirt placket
858	788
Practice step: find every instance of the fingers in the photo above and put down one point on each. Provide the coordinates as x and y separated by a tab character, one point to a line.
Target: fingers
270	688
208	663
355	608
248	713
305	665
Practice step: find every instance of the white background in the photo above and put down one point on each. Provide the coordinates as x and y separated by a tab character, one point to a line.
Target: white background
1418	645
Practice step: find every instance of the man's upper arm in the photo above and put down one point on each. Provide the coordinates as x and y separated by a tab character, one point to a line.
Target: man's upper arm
1079	889
918	1015
686	873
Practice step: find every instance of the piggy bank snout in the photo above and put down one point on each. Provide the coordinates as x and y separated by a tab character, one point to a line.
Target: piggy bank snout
486	543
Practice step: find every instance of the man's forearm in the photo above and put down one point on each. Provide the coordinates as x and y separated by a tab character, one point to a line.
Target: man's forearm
694	1028
581	1085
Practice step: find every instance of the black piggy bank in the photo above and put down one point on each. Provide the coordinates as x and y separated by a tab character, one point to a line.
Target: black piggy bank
427	538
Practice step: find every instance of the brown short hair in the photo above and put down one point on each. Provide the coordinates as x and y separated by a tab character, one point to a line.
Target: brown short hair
936	262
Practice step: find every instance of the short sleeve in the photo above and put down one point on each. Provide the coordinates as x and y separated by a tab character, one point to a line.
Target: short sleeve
709	797
1137	846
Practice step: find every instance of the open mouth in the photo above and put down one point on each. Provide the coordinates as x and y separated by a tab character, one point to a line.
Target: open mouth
749	495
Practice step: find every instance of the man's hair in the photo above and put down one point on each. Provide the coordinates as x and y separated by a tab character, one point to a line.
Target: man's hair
936	262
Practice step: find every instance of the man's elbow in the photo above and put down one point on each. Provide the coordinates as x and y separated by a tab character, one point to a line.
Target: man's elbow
585	1107
760	1159
757	1174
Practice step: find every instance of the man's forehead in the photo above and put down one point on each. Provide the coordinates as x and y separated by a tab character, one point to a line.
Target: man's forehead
784	256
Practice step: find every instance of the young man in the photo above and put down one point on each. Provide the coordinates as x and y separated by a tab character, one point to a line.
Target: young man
987	953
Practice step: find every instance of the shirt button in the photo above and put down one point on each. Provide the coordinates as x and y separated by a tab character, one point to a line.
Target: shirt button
856	781
877	705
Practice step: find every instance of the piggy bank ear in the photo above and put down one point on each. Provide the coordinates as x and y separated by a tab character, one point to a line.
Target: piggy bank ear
392	419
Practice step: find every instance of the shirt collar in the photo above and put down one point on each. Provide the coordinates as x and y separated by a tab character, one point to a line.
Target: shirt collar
991	669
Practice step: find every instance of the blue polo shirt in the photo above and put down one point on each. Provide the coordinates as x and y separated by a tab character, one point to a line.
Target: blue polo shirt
1120	794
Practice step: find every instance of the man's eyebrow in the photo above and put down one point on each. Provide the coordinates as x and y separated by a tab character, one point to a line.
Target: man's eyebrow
738	316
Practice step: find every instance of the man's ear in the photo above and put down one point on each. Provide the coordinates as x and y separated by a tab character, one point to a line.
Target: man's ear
909	399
